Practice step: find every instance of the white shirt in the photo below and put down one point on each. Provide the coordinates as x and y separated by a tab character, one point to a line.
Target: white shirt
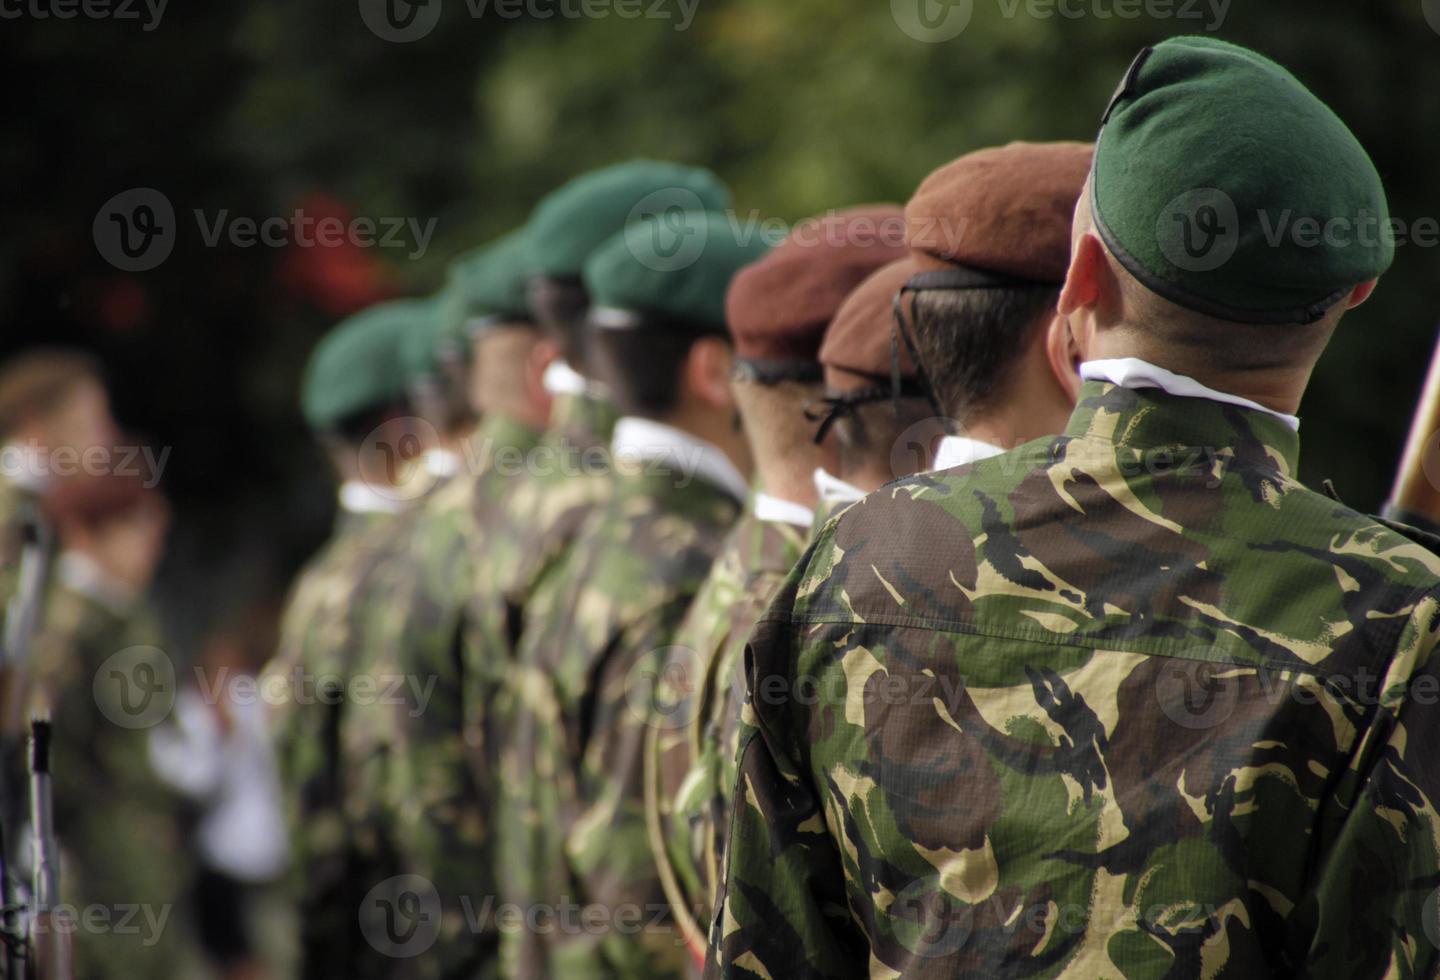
778	511
959	450
637	438
561	379
359	497
833	490
1132	372
88	577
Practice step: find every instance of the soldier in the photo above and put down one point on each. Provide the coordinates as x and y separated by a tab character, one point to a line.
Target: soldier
96	668
430	733
354	400
997	354
436	360
777	310
1002	769
572	810
883	414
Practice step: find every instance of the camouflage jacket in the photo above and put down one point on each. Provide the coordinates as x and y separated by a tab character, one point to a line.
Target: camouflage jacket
414	744
691	759
311	686
98	672
1127	702
580	696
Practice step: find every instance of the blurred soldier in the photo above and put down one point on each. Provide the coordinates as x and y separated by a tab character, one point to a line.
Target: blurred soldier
94	666
573	830
777	310
430	730
567	476
354	400
436	359
1006	770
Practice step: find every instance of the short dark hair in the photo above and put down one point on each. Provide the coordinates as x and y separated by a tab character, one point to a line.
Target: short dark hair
971	339
642	367
36	383
559	305
352	430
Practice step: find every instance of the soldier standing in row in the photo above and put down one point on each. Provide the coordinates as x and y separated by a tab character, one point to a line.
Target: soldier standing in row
1003	770
584	678
354	399
777	310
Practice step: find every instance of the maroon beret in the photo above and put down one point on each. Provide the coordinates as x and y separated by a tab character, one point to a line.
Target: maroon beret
857	352
779	307
1005	210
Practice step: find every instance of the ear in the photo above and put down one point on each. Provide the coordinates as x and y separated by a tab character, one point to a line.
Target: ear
1084	279
707	372
1361	293
1064	356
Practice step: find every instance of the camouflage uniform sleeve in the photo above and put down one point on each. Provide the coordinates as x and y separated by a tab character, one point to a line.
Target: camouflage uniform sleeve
608	845
782	908
1373	898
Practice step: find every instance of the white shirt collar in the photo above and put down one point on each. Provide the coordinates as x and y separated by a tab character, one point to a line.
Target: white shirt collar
959	450
441	463
561	379
780	511
88	577
646	439
833	490
26	466
359	497
1132	372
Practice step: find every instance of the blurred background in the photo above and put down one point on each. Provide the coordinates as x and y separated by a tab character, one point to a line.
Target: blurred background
256	110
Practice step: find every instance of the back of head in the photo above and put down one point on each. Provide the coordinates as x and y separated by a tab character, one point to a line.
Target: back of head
573	221
779	309
884	432
992	233
356	376
1238	210
657	287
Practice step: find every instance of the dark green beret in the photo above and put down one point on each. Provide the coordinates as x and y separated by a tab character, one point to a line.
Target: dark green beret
358	365
572	221
1227	187
674	267
420	343
487	285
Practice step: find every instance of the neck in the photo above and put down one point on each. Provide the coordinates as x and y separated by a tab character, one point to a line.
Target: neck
716	429
1277	387
781	479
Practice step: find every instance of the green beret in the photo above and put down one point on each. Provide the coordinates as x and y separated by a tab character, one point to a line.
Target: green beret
676	267
1224	185
572	221
420	342
487	285
358	365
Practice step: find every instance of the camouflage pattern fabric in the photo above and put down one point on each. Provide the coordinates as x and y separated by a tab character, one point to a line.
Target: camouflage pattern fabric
1128	702
579	699
311	676
415	742
690	761
99	674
